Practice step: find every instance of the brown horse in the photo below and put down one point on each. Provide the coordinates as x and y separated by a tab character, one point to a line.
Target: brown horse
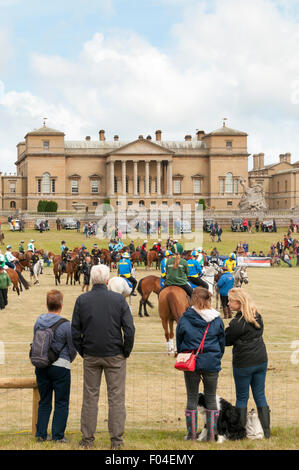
153	256
173	301
72	270
17	280
136	258
145	287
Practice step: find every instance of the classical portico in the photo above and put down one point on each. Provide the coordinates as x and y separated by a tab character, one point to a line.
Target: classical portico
150	165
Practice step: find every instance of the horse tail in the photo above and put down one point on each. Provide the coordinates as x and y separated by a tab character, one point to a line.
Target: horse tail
23	280
139	289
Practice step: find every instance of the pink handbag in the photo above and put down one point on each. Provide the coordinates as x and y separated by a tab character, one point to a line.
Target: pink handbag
186	361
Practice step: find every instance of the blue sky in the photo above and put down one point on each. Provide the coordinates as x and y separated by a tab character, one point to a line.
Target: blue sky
132	67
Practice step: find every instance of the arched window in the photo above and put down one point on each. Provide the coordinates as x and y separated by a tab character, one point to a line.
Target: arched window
141	203
12	204
46	183
229	183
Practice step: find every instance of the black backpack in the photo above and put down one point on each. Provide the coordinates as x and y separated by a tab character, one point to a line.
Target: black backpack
41	353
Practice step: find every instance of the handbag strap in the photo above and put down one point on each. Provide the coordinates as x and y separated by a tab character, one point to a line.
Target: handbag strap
200	348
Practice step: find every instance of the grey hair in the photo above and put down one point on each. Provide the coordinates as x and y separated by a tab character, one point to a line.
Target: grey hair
99	274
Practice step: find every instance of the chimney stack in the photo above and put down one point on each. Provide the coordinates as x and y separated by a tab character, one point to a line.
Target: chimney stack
102	135
116	138
288	157
149	137
188	137
255	162
200	135
158	135
261	160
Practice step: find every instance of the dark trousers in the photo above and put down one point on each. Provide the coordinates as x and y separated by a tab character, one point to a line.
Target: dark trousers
250	377
192	381
224	300
58	380
3	298
198	282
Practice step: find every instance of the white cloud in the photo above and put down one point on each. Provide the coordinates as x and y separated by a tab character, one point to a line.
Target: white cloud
237	59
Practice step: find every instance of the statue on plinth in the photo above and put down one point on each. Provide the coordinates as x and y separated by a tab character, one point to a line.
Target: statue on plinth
252	199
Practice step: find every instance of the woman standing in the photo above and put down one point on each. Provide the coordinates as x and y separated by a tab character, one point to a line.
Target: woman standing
245	334
192	326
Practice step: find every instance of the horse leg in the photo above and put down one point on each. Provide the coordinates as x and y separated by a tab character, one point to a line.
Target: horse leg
140	308
171	345
166	333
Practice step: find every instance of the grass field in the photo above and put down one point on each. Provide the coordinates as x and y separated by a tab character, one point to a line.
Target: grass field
155	390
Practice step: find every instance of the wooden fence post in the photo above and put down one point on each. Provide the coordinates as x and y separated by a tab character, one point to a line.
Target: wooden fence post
24	382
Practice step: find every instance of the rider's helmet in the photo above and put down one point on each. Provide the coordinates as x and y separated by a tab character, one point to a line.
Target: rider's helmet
194	253
8	247
168	253
232	256
32	241
125	255
199	250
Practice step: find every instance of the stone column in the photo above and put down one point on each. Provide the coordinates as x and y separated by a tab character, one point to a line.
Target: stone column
158	178
169	178
147	179
135	178
111	178
123	175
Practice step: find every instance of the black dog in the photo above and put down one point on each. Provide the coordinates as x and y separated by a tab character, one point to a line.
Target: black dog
228	424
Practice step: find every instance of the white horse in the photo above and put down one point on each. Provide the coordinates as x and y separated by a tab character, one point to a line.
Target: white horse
208	276
120	285
37	269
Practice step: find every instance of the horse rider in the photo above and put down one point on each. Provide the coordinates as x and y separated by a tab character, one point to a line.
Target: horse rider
96	253
62	246
230	263
177	247
195	271
167	254
125	270
200	257
2	261
214	258
143	251
9	258
117	248
131	247
30	246
34	260
225	284
111	245
177	272
22	249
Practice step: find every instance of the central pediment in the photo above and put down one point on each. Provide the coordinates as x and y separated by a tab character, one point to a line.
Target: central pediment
141	147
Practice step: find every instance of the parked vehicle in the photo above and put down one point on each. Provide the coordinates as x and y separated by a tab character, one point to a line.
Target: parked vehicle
268	226
237	225
207	224
38	222
186	227
16	227
69	223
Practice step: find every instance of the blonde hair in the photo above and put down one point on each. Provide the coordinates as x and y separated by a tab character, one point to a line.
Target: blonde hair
177	261
247	306
201	298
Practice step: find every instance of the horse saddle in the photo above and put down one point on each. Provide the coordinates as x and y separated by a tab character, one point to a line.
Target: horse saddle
128	282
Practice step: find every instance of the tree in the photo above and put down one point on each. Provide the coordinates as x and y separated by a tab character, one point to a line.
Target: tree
47	206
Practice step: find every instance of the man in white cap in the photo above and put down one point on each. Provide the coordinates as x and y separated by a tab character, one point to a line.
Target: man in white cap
30	246
9	258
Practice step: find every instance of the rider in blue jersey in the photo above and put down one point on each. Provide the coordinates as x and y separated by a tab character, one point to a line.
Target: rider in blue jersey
167	254
195	271
125	270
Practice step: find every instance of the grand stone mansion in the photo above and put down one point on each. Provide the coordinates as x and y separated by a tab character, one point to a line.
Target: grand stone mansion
148	171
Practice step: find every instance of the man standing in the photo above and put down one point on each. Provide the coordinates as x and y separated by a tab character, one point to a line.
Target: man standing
103	334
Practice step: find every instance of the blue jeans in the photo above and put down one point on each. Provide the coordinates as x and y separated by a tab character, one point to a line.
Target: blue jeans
58	380
254	377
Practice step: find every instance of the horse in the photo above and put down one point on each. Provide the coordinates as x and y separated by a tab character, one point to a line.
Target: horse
120	285
136	258
209	273
145	287
72	268
153	256
1	237
240	276
173	301
37	269
17	280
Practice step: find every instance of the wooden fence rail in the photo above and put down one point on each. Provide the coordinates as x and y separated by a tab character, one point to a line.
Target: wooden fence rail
20	383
